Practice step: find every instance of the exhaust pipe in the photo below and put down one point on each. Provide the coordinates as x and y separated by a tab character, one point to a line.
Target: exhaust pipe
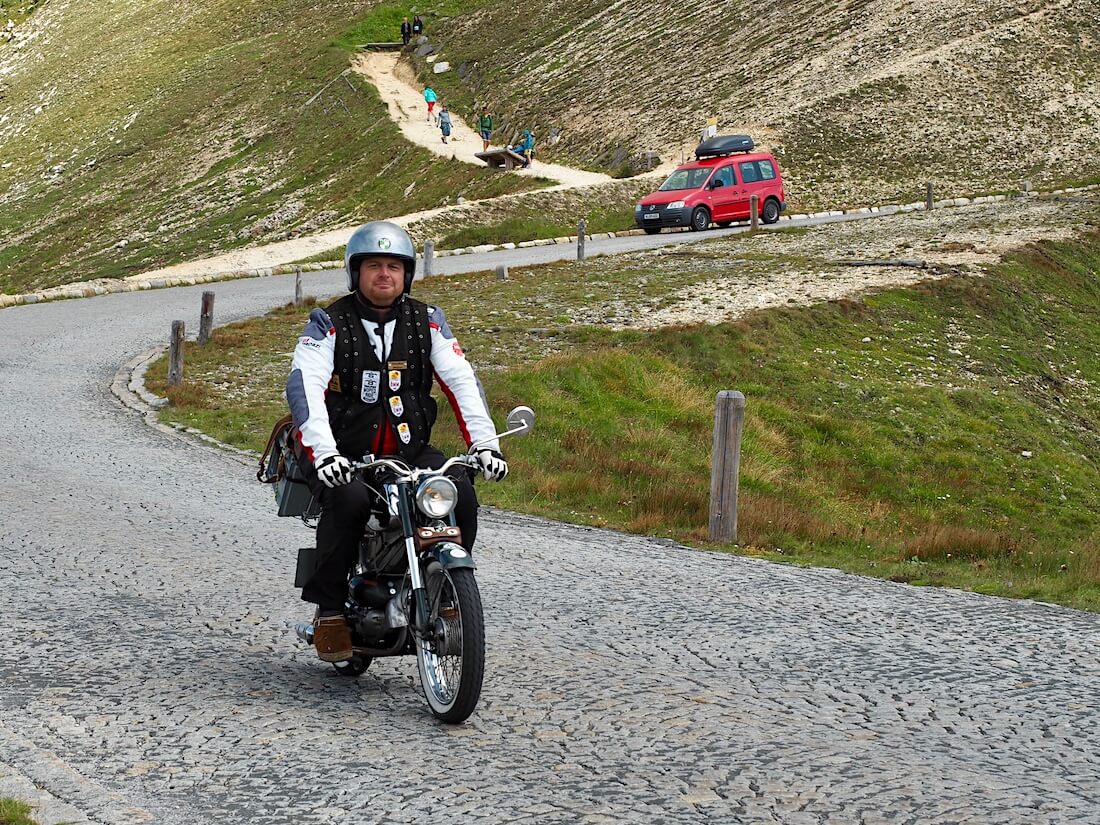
304	631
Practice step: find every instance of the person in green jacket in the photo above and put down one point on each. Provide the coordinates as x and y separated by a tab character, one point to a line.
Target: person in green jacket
485	129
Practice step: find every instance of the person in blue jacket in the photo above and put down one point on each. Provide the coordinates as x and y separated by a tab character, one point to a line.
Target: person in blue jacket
525	147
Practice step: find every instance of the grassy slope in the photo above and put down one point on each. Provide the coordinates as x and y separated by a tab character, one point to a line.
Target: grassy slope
14	812
901	457
863	102
183	130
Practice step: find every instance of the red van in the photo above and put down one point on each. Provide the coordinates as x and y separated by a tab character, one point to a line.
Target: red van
715	188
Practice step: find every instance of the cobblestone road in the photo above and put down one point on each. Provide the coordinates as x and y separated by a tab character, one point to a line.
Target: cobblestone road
147	673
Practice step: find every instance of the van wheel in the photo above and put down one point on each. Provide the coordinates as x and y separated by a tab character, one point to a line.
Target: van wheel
700	219
771	211
651	230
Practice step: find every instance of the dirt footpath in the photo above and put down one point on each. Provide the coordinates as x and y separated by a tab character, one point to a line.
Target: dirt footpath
405	101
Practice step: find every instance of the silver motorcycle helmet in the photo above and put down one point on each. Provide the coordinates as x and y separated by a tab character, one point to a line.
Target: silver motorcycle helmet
379	238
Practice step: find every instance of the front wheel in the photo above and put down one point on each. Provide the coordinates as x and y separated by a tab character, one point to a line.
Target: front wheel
452	663
700	219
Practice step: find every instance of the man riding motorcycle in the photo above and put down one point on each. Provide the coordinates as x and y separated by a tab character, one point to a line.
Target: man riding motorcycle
360	383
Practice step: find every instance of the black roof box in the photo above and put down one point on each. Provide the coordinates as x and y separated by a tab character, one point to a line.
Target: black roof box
723	145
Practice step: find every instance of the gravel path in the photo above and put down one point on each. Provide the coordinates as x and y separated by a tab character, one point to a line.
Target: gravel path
406	107
147	673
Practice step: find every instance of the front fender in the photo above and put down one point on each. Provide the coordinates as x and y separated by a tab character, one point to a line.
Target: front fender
450	555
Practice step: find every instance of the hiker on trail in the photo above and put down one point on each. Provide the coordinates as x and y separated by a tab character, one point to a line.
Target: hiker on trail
430	98
445	122
525	147
406	31
485	129
418	26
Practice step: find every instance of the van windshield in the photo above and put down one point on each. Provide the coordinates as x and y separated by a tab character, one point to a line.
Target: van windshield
685	179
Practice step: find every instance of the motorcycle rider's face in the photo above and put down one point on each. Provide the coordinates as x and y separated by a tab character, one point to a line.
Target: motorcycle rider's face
381	279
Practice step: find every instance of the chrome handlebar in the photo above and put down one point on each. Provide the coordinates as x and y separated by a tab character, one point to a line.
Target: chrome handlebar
413	474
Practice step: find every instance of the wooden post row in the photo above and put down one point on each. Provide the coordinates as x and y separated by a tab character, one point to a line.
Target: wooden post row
582	227
502	273
297	286
175	355
729	421
754	212
206	317
928	196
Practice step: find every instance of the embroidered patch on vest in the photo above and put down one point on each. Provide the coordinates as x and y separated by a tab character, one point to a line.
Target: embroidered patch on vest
403	433
396	405
371	381
395	380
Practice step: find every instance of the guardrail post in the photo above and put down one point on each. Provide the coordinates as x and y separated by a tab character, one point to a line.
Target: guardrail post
929	196
206	317
582	226
754	212
429	254
297	286
725	464
502	273
175	355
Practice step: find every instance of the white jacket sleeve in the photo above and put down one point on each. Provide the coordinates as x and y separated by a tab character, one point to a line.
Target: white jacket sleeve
310	373
459	383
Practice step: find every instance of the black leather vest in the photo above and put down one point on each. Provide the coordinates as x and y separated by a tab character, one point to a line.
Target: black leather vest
398	392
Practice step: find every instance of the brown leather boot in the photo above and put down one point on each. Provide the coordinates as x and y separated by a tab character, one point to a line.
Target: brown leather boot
332	638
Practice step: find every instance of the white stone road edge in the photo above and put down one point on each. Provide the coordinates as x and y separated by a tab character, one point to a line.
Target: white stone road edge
57	793
106	286
128	386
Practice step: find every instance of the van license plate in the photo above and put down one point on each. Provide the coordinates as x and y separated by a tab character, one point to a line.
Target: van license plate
651	216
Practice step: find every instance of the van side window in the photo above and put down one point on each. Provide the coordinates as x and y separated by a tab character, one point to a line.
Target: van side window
767	171
725	174
749	172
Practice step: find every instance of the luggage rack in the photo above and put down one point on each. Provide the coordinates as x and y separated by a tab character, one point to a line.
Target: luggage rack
722	145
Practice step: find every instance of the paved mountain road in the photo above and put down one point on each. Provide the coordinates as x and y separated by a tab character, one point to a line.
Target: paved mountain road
147	673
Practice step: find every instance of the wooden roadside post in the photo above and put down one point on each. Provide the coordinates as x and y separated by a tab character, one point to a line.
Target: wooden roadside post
175	355
429	254
754	212
725	464
582	226
297	286
502	273
206	317
928	196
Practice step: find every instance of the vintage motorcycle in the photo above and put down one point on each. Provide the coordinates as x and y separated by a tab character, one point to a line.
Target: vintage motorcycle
413	589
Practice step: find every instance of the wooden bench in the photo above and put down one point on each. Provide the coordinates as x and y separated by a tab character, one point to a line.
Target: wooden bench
502	159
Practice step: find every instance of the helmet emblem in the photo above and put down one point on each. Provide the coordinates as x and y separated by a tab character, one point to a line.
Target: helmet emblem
383	243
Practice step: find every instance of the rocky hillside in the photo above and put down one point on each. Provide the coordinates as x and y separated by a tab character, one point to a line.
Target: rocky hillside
138	133
862	101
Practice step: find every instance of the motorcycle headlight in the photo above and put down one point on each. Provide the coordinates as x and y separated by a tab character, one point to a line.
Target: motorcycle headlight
676	205
436	496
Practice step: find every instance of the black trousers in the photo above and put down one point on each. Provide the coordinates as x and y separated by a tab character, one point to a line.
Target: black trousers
344	514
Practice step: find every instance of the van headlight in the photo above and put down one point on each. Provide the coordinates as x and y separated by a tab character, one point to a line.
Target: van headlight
637	207
676	205
436	496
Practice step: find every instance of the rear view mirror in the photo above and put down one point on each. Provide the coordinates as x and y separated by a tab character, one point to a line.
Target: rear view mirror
714	184
522	420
